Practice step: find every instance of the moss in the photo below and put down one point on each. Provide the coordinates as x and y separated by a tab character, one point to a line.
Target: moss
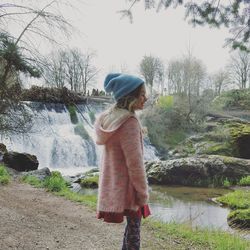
81	131
72	113
219	149
90	182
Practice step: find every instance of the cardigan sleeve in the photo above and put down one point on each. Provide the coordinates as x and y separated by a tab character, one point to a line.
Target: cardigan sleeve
131	144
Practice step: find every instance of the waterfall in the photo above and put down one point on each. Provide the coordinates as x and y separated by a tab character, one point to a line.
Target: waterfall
60	144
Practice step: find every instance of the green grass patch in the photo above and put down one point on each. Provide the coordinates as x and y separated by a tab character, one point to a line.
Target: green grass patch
4	176
244	181
196	238
239	199
32	180
89	200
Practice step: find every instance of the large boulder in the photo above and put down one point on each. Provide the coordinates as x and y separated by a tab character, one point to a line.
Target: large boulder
20	161
205	170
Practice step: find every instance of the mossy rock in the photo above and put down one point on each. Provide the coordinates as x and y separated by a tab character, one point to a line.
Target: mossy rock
240	134
72	113
90	181
81	131
240	218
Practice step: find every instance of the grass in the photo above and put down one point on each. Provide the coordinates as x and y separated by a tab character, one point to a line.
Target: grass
58	186
196	238
244	181
4	176
182	233
239	199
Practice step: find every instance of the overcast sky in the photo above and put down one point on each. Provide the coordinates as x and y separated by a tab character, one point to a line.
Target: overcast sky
165	34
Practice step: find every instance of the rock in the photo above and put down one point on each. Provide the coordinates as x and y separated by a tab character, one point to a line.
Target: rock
202	170
20	161
3	150
41	174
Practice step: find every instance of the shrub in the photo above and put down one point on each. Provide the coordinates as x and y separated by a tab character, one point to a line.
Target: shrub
55	182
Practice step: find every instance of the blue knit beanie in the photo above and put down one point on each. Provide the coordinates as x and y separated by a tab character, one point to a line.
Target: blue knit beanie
121	84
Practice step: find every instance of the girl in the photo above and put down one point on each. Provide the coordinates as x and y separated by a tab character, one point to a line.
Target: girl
123	189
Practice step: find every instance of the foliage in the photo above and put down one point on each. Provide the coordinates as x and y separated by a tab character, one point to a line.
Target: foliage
80	130
236	98
11	56
234	15
4	175
166	102
72	113
226	183
244	181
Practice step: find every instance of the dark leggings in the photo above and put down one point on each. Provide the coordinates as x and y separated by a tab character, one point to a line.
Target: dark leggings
131	239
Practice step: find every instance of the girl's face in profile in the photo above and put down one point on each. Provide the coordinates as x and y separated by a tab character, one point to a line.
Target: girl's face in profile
142	98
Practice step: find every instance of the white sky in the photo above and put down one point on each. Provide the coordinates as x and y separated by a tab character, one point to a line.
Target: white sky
166	34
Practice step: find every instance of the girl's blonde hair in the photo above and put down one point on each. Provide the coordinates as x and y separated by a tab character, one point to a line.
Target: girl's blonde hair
128	101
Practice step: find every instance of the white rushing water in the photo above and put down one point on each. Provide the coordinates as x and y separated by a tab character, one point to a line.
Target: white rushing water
54	141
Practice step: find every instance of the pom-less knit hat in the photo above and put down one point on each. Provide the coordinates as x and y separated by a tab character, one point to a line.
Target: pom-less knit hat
121	84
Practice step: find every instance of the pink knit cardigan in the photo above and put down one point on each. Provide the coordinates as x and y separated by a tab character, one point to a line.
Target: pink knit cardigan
122	182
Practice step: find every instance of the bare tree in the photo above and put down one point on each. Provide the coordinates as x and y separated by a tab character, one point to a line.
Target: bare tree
71	68
239	69
220	79
152	69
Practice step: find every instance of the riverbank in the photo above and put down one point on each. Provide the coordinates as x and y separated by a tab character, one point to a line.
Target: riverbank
32	218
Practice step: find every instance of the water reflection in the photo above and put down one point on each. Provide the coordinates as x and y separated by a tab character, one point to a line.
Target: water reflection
189	205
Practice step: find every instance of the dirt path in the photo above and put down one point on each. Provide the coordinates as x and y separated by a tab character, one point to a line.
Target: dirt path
32	218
